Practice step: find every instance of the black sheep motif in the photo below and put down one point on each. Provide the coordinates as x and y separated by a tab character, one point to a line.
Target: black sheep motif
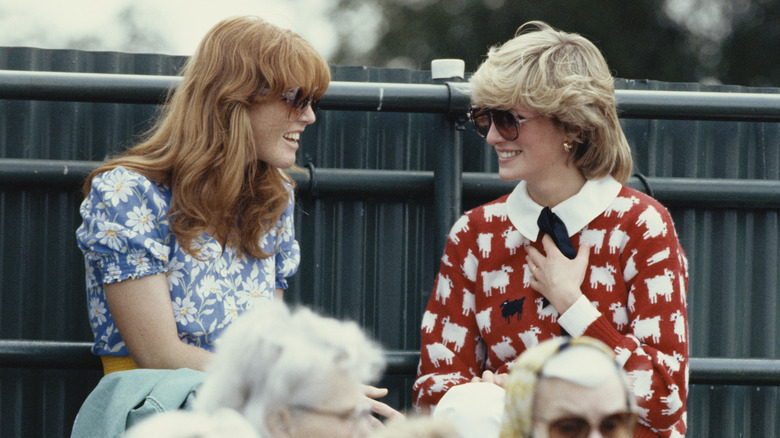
512	308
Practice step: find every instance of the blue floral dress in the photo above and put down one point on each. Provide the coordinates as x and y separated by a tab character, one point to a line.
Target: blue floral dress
125	235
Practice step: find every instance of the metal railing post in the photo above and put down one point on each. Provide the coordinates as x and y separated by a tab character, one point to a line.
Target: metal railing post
448	168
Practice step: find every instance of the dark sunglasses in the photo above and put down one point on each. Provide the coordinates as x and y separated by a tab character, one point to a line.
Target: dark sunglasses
507	122
619	425
298	103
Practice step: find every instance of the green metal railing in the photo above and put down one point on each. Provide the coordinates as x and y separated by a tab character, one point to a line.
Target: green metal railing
451	99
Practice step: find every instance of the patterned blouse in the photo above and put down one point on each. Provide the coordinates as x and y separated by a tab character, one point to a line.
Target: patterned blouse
126	235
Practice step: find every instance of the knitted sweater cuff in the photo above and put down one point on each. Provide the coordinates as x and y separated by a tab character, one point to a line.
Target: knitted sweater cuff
603	330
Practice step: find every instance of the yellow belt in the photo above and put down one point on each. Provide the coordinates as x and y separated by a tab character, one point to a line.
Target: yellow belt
113	364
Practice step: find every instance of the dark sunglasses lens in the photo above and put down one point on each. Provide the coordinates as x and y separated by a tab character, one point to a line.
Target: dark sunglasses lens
480	118
506	124
297	106
569	428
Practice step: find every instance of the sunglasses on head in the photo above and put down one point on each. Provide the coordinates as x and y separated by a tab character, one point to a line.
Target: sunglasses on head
507	122
298	103
618	425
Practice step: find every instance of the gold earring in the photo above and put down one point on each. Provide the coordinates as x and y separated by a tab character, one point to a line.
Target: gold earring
567	146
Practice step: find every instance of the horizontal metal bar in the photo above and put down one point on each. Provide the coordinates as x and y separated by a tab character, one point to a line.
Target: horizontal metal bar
399	184
375	96
77	355
150	89
394	97
698	105
719	371
364	183
703	370
53	173
85	87
47	354
720	193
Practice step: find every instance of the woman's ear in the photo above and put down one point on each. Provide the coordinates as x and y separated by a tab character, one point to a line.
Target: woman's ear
280	423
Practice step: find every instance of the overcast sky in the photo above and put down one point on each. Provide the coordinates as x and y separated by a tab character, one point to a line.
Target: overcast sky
171	27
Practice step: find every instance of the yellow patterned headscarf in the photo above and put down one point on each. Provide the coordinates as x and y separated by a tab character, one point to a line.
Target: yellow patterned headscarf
524	375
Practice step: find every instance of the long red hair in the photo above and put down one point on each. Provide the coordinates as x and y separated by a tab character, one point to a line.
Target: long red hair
202	145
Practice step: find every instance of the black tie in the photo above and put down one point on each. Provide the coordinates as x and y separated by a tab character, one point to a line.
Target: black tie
551	224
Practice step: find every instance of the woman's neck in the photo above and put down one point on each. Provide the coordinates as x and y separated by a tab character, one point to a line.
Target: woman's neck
555	189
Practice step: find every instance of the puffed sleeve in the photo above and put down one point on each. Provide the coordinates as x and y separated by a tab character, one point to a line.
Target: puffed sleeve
288	253
450	314
125	228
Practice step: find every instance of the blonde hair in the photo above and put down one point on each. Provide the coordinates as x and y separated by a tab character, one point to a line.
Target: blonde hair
565	77
202	145
529	368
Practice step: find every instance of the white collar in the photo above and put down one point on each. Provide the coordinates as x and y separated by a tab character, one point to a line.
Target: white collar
576	212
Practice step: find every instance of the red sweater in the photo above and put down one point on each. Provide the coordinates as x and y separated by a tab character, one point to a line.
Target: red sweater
483	313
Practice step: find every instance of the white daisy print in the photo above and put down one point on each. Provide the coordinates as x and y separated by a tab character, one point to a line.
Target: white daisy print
140	219
97	311
117	186
184	310
108	234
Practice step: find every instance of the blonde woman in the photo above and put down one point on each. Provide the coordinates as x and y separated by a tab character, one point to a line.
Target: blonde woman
572	250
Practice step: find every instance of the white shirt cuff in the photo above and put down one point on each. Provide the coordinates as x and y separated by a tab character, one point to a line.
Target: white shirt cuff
578	317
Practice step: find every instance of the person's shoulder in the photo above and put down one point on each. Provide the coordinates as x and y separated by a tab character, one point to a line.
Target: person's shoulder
120	172
628	195
496	207
483	218
124	186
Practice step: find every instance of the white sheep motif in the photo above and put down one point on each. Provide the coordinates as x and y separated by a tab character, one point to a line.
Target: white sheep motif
443	288
469	302
462	224
513	240
453	333
530	336
483	320
658	257
438	351
594	237
655	224
442	382
660	285
504	350
544	312
484	242
498	279
470	266
495	210
621	205
679	326
672	361
603	275
631	302
617	240
647	328
672	401
619	315
429	321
